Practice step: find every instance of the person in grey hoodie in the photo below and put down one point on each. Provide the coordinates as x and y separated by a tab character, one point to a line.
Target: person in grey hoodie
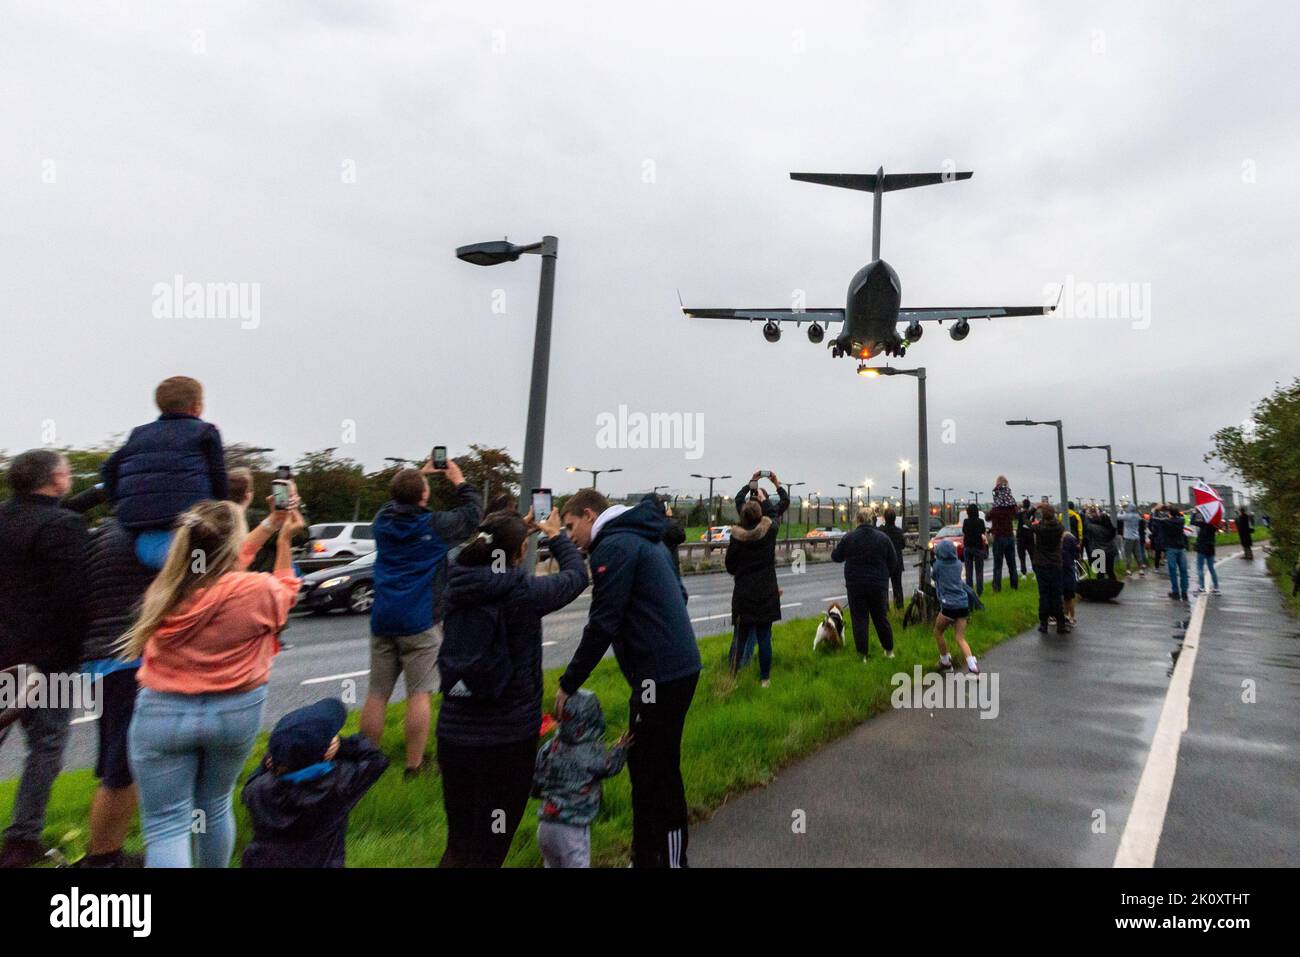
956	601
1135	556
569	769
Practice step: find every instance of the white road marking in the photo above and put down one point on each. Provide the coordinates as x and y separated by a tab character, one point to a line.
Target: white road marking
1146	819
793	604
350	674
835	598
547	644
84	718
710	618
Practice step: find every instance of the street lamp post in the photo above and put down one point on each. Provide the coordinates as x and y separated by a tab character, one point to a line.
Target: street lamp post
943	509
977	496
708	528
492	254
1060	454
1161	470
923	459
596	472
1132	476
1189	479
1110	474
788	487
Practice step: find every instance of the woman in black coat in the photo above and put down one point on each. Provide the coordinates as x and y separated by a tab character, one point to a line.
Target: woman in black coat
756	598
487	742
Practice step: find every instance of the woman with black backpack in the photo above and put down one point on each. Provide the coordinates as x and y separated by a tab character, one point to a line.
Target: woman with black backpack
490	665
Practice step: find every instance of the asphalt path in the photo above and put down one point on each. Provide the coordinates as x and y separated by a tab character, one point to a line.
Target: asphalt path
1051	779
328	655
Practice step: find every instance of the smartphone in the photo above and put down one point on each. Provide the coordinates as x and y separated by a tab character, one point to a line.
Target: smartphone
283	472
753	485
765	474
280	492
541	504
439	456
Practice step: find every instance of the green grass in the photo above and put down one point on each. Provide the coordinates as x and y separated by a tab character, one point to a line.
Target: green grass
738	735
1281	573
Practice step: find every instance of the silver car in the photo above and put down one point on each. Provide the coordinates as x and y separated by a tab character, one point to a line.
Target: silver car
340	540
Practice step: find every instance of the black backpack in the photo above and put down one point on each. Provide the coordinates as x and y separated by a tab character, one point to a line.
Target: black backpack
474	660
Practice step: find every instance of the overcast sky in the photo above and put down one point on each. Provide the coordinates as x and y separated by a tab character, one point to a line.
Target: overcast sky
335	154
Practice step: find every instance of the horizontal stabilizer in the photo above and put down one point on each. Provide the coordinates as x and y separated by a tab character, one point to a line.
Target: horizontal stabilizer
867	181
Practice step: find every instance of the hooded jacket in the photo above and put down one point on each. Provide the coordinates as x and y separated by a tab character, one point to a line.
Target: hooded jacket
1130	524
751	561
571	765
1205	535
869	556
523	599
42	583
165	467
1069	555
946	573
305	823
1167	533
411	543
638	605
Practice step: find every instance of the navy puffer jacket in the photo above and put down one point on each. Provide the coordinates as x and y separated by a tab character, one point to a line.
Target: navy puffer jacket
517	714
165	467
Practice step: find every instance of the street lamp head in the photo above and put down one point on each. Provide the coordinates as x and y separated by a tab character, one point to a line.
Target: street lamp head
571	468
1020	422
491	253
904	464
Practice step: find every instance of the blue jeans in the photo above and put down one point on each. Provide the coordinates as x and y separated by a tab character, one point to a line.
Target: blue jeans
1201	562
743	643
186	753
1176	561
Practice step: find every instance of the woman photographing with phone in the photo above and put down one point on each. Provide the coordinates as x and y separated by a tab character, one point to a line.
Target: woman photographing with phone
490	665
207	632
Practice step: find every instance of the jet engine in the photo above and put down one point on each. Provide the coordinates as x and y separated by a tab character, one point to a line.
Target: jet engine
960	330
913	331
771	331
815	333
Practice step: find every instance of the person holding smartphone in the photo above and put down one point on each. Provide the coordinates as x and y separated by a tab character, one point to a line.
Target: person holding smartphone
773	510
410	574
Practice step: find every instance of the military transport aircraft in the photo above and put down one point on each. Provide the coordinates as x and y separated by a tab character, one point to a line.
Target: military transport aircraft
872	313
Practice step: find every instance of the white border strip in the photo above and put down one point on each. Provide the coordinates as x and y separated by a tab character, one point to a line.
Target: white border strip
1146	819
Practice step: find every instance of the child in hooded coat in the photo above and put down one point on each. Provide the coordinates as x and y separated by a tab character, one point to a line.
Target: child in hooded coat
570	767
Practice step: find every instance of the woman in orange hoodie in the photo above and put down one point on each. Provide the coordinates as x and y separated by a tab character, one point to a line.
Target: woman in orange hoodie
207	632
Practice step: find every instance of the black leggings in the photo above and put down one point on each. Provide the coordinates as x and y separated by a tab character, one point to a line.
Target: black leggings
654	764
1050	597
870	603
484	791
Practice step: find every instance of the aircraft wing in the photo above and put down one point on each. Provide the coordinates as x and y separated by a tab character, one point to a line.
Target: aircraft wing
774	315
940	313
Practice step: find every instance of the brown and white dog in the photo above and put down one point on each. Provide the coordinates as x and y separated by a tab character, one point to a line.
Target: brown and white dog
830	633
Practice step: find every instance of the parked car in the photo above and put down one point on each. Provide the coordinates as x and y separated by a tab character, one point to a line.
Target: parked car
950	533
340	540
825	531
717	533
351	587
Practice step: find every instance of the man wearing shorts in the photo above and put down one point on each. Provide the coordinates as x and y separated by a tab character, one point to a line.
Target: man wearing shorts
411	545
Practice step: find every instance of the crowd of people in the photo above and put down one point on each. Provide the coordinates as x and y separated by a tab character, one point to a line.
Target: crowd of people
174	606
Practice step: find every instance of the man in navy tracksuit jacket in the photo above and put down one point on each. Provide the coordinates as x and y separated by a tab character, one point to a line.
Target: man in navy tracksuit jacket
411	545
638	607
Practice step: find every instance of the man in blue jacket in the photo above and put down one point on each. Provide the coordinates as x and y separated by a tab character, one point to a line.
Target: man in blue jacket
638	606
411	545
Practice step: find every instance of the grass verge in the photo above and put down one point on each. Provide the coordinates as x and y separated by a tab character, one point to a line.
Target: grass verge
738	735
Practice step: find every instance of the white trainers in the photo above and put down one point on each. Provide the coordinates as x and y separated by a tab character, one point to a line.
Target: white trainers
889	654
765	683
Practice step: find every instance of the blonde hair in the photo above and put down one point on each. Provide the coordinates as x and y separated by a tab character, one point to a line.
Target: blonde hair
205	545
865	516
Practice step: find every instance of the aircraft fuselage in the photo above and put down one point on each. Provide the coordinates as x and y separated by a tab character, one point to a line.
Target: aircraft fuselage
871	312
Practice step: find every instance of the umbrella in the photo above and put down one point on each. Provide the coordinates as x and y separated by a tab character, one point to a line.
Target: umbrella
1208	503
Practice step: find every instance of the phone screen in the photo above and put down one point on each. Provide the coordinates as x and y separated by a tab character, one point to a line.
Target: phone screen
439	456
280	492
541	504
